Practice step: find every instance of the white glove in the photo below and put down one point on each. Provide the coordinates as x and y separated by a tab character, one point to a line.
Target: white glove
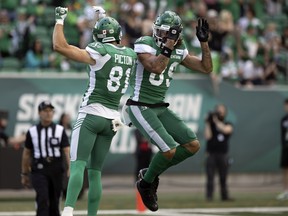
60	15
117	124
100	12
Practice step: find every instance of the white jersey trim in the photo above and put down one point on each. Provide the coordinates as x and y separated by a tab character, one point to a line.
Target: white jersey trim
144	48
149	130
92	84
116	47
75	136
138	81
93	53
100	63
185	53
100	110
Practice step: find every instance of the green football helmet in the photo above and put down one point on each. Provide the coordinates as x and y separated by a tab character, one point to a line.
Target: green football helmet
162	25
106	30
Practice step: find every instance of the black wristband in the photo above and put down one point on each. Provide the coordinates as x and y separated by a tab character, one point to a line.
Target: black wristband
24	174
166	52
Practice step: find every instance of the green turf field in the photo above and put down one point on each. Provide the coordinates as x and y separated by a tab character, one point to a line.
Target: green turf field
169	200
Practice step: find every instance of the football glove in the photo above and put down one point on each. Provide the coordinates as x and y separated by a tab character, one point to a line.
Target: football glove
117	124
60	14
174	33
100	12
202	30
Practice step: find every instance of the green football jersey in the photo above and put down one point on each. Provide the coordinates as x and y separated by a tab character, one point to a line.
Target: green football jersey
150	87
109	77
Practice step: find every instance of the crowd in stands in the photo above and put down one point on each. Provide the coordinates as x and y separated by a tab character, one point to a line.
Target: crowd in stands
249	38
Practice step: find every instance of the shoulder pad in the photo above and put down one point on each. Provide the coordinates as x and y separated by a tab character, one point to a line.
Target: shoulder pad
98	47
145	40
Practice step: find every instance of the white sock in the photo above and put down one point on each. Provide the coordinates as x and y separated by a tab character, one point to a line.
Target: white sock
67	211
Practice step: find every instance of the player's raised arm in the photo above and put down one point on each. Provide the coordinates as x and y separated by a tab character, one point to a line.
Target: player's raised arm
203	65
60	44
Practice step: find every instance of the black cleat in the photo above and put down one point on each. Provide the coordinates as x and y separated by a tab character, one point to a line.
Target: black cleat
148	197
154	184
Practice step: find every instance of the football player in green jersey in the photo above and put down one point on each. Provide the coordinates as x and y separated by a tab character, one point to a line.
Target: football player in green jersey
158	57
109	68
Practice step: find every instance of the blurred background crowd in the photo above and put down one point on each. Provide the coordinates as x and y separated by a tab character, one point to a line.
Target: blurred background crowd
249	38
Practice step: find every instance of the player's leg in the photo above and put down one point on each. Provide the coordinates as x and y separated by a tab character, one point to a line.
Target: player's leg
173	129
182	134
151	127
146	120
95	164
82	141
157	125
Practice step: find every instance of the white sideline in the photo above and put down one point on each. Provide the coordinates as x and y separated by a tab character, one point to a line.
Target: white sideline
170	212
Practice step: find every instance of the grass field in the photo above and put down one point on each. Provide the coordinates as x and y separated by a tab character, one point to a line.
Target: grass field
171	204
178	196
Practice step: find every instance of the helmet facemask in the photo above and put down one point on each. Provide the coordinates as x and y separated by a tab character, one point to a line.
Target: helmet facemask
160	34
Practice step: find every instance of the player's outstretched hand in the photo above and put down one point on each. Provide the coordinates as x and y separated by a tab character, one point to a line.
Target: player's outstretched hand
202	30
60	14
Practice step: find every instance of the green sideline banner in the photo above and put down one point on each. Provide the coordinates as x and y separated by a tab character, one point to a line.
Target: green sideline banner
255	114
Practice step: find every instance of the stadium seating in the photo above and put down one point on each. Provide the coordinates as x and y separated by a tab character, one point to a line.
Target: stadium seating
10	64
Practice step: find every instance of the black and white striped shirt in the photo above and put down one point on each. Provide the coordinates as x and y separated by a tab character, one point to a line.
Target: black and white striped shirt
46	142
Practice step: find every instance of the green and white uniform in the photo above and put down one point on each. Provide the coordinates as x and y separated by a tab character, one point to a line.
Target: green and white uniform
92	132
150	87
108	81
157	124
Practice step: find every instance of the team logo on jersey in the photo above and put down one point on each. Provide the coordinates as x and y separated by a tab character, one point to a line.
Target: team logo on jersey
179	51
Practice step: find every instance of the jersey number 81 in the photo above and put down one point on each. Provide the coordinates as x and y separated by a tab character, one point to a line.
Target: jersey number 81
114	83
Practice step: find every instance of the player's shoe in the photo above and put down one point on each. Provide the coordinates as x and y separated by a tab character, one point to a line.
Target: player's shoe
155	183
283	196
148	196
67	211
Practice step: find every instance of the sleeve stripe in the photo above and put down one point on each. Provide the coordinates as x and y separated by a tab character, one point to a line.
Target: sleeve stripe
144	48
93	53
185	54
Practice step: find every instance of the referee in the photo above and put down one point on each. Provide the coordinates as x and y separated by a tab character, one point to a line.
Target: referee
45	153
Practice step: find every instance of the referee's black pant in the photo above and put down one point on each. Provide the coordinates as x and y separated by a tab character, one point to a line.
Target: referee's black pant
48	188
217	162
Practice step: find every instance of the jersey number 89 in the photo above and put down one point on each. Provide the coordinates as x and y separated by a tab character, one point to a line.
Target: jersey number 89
160	80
